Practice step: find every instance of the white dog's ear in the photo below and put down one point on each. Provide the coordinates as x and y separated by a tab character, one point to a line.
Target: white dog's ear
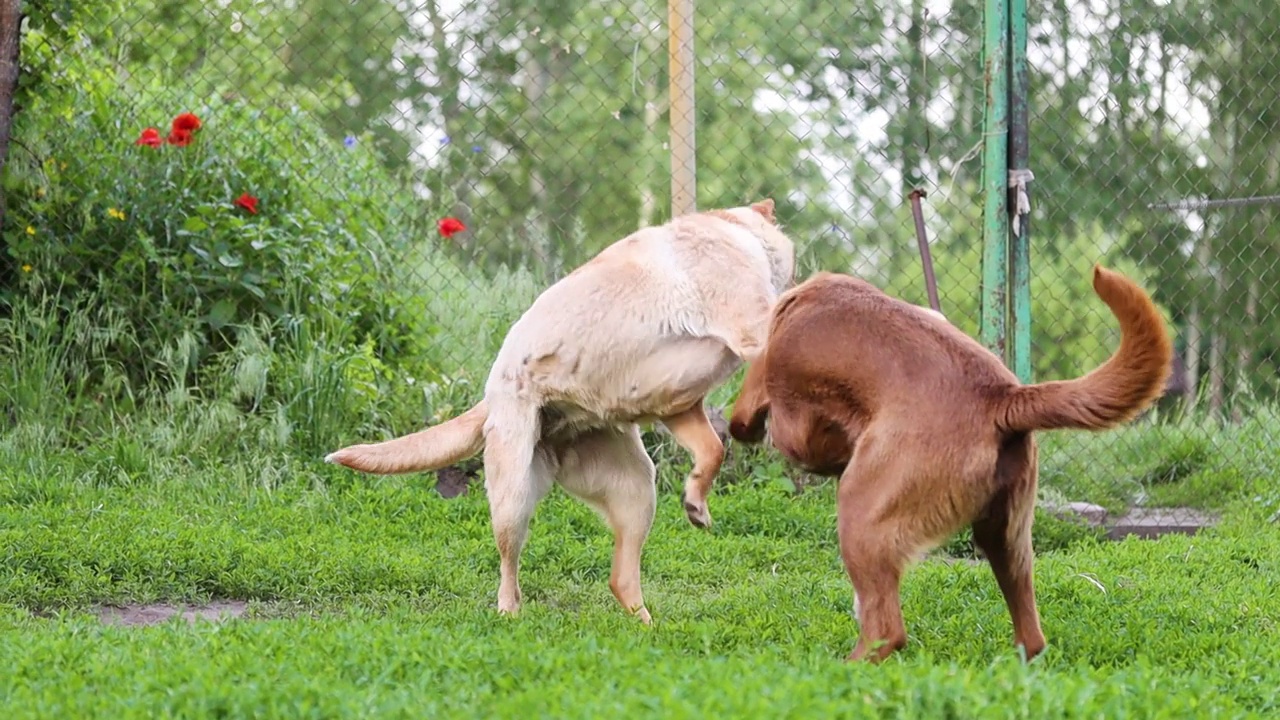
765	208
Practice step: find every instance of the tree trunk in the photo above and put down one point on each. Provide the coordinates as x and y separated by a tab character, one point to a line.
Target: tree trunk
1071	90
1162	115
539	81
1121	91
1217	350
10	46
1195	324
914	131
1233	230
1244	351
1258	223
1193	357
651	158
652	154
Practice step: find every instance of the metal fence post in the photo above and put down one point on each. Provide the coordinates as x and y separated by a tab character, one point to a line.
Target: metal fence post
681	112
995	177
1019	250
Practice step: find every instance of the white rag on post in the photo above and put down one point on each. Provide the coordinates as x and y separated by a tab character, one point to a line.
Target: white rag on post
1019	179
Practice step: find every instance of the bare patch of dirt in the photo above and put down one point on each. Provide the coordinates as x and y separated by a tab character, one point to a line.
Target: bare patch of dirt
454	480
134	615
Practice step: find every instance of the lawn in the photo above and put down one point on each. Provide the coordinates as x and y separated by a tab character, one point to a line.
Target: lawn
374	597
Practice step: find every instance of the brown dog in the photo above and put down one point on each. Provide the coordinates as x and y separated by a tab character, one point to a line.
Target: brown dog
929	431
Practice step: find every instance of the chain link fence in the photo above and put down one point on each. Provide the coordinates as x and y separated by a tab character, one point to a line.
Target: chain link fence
463	154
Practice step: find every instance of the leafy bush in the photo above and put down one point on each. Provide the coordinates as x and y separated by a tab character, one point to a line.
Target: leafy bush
260	216
262	279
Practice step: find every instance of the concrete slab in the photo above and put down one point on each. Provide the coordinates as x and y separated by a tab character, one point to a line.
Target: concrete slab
1154	522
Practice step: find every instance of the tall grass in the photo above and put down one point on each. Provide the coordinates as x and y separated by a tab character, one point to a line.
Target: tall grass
465	317
1192	461
303	386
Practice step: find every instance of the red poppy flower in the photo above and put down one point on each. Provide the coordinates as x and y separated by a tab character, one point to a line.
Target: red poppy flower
248	202
450	225
149	137
186	121
181	138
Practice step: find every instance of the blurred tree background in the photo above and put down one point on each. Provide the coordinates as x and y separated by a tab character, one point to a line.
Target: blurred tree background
542	126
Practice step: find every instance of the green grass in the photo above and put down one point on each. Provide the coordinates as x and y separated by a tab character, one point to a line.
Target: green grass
1195	463
374	598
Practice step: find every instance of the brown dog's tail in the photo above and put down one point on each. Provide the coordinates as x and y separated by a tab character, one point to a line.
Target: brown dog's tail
1116	391
429	449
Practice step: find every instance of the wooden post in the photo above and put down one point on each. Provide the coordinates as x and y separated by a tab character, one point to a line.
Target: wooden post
681	109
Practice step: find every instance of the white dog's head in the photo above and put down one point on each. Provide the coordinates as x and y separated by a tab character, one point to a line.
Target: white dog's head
759	218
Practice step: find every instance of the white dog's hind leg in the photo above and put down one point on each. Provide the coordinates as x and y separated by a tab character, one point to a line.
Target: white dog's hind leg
512	501
517	475
609	470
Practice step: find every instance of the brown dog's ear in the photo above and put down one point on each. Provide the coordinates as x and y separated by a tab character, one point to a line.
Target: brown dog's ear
765	208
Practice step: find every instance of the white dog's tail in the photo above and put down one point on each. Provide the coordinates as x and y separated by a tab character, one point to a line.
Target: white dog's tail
435	447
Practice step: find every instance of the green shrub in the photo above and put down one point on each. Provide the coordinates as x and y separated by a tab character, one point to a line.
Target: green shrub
131	279
157	235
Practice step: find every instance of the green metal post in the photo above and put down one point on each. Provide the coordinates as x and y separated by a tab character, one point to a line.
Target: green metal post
1019	250
995	225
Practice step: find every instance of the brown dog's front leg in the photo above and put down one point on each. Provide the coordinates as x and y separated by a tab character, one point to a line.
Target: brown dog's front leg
746	424
694	432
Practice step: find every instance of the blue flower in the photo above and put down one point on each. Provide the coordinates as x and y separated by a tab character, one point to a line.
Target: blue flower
444	140
350	141
476	148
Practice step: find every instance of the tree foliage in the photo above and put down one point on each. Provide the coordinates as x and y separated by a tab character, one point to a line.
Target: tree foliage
543	126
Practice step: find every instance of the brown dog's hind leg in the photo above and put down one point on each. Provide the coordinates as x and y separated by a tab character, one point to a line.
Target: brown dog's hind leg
693	431
873	554
893	501
875	568
1003	534
610	471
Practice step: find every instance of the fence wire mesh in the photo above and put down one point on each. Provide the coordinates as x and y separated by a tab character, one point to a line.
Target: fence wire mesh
426	167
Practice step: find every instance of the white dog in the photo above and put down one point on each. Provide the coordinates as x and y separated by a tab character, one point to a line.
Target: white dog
640	333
